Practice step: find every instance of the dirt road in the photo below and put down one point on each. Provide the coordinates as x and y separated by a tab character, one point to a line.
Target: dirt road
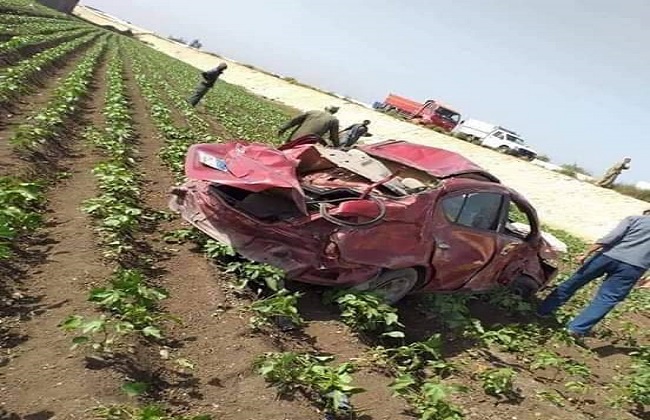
563	202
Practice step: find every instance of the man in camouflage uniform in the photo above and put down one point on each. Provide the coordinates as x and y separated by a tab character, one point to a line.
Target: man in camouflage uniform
607	181
209	79
317	123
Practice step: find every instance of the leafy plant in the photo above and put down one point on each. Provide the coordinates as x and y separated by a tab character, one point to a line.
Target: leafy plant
414	357
282	304
149	412
129	298
429	399
263	275
498	382
327	385
101	334
367	312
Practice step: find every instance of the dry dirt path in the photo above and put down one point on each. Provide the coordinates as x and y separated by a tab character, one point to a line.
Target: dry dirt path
562	202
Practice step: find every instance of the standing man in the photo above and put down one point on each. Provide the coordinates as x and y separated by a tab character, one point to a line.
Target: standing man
209	79
353	133
623	256
612	173
315	122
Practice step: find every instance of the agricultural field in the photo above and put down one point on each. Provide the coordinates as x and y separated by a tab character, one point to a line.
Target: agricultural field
112	308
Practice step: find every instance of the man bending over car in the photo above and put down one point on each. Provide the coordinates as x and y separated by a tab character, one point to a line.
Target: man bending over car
317	123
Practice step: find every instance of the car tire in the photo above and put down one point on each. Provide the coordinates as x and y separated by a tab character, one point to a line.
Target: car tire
525	287
393	285
504	149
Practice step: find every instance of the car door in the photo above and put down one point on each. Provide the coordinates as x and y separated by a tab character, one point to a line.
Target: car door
514	249
465	225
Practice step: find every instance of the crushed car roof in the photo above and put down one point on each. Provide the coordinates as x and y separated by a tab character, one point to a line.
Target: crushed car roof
436	162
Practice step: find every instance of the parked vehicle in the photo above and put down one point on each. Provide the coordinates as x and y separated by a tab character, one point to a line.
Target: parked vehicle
428	113
393	217
494	137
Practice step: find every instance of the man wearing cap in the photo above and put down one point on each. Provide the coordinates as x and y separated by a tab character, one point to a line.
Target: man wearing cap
622	256
607	181
209	78
315	122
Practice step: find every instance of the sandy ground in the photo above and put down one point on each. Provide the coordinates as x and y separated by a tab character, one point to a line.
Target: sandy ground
562	202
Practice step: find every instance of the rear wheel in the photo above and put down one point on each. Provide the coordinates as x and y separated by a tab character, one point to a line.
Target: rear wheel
525	287
392	285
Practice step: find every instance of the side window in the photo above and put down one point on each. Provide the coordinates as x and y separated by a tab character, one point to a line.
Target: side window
518	223
498	134
475	210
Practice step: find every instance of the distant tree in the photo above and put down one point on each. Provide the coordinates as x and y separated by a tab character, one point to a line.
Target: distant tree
177	39
573	169
196	44
543	158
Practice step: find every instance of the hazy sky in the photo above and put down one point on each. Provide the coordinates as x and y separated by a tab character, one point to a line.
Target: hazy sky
572	76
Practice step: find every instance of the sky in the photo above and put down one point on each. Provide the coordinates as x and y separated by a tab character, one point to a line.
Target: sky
571	76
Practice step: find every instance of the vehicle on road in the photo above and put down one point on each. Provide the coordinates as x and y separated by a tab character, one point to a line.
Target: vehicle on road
429	113
495	137
393	217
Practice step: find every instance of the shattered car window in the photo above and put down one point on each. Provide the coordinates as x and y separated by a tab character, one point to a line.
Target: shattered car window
475	210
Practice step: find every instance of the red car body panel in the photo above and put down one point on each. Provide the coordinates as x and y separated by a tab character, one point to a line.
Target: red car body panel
277	206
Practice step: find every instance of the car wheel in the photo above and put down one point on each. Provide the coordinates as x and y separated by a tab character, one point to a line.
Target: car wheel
393	285
504	149
524	286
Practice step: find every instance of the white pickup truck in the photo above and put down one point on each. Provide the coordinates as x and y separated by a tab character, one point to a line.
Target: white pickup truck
494	137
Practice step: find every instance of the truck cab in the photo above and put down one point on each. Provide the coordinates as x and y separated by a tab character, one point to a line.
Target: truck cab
508	142
432	113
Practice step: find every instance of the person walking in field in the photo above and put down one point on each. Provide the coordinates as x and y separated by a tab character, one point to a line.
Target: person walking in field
209	78
607	181
353	133
318	123
622	256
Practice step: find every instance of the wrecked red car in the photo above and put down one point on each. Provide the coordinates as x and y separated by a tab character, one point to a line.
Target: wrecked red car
393	217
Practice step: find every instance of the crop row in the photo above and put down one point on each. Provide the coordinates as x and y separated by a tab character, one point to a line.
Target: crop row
45	124
15	80
17	43
20	203
17	29
129	302
29	8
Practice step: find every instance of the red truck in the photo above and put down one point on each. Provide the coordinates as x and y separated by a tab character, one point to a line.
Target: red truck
428	113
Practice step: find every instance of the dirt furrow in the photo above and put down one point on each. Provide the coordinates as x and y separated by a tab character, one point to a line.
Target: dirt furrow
41	378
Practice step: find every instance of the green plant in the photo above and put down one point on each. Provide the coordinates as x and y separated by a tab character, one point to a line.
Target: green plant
367	312
19	205
101	334
262	275
131	300
429	399
216	250
149	412
451	309
415	357
181	235
327	385
498	382
282	304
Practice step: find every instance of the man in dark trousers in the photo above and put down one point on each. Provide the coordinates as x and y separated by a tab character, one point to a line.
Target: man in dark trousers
623	256
353	133
317	123
209	79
